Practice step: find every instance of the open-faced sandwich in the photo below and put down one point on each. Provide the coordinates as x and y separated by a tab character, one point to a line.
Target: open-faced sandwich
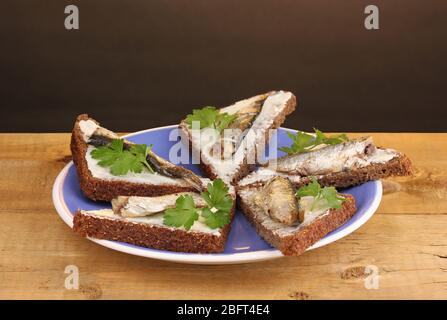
154	203
229	139
334	161
185	222
109	166
292	201
293	219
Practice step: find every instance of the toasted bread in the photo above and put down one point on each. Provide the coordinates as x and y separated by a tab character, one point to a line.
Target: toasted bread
106	188
293	241
276	106
400	165
142	231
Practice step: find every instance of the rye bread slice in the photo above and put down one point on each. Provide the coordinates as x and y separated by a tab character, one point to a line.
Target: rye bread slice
244	168
105	190
398	166
150	235
294	241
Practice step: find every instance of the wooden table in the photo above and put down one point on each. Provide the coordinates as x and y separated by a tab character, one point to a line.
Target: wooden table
406	240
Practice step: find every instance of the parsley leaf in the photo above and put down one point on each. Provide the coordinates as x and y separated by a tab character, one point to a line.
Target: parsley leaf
124	163
107	155
321	138
120	160
219	204
140	151
324	198
332	198
313	189
184	214
210	117
217	196
216	219
303	142
215	215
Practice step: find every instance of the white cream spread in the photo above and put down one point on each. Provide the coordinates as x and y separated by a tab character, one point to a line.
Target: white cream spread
253	140
156	220
144	177
305	207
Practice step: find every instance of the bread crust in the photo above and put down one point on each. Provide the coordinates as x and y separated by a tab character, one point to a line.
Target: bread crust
296	243
245	168
398	166
105	190
150	236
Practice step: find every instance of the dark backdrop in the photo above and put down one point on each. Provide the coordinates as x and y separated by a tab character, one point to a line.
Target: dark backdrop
142	63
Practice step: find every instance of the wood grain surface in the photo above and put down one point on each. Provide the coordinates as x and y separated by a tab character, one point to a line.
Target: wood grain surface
406	240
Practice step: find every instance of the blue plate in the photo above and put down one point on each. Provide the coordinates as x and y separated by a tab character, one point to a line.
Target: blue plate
243	245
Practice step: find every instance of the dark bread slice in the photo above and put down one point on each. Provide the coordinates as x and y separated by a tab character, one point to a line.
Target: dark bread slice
150	236
245	167
105	190
304	237
398	166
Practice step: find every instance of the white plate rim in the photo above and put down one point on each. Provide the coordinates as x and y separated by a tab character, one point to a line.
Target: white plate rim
193	258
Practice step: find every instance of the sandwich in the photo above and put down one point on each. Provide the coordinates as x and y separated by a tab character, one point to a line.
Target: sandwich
292	219
183	222
109	166
228	141
291	201
334	161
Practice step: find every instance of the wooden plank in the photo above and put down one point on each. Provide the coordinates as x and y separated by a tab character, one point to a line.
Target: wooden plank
405	240
425	192
411	264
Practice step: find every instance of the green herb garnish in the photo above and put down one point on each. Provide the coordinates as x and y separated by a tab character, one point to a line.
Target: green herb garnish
304	142
210	117
215	215
183	214
219	204
122	160
324	198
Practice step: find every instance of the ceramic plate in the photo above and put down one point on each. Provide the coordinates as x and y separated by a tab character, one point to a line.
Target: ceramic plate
243	245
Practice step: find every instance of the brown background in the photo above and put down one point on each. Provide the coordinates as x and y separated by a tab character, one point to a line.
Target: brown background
138	64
